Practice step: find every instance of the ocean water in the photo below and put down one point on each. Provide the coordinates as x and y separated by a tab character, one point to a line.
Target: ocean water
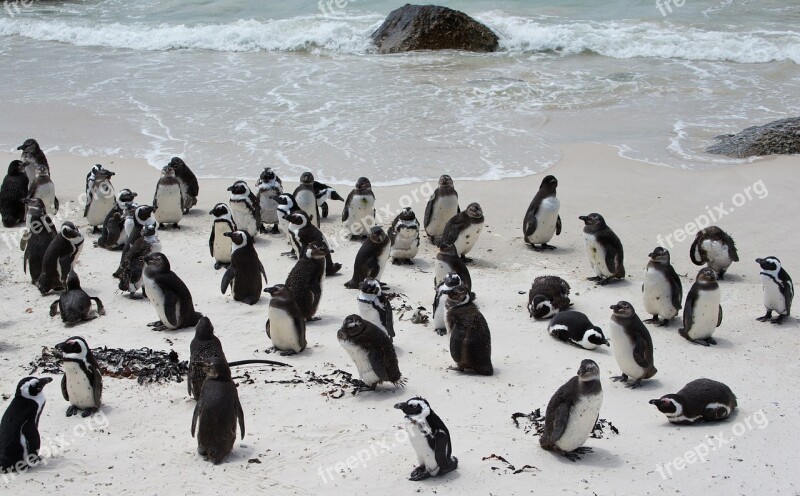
237	85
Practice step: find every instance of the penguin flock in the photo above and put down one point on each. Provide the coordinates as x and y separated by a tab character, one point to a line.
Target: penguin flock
51	258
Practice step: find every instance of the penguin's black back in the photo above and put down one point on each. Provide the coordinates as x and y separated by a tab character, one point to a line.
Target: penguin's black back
700	392
304	282
20	411
12	192
40	240
470	341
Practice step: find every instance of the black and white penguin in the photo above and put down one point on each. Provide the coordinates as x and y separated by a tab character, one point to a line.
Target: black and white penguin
245	208
714	247
216	413
218	244
371	258
244	273
12	193
286	326
19	427
324	194
137	219
131	278
306	197
32	155
374	306
306	278
463	229
74	304
404	236
631	344
702	313
359	209
168	294
442	206
190	188
576	328
662	290
286	205
604	249
269	187
541	219
100	197
168	199
700	400
572	413
548	296
450	281
447	261
82	384
91	176
470	338
113	235
60	258
41	232
372	351
778	289
303	232
42	187
429	438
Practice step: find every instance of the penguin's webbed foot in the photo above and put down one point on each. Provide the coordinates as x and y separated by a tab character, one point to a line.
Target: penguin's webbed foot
288	353
465	259
397	261
457	368
88	412
71	411
619	378
384	287
313	319
575	454
593	278
635	384
361	386
95	229
219	265
766	317
778	320
419	473
663	323
274	229
711	341
545	246
157	326
701	342
603	282
654	320
176	226
440	332
262	229
333	270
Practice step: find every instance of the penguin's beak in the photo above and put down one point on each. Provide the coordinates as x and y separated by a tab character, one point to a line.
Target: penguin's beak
400	406
583	218
614	307
269	290
21	147
607	343
655	402
230	188
759	260
228	234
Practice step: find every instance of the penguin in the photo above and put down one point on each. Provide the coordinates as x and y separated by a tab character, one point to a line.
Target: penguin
12	193
75	305
286	326
447	261
572	413
371	258
60	258
576	328
100	198
463	229
359	209
632	345
42	187
306	278
324	194
41	232
246	209
429	438
604	249
32	155
470	338
113	235
372	351
700	400
190	188
168	294
548	296
404	236
714	247
778	289
218	244
541	219
306	197
19	427
374	306
702	313
141	216
286	205
216	413
131	278
269	187
91	176
450	281
82	384
662	289
244	273
441	207
302	232
168	199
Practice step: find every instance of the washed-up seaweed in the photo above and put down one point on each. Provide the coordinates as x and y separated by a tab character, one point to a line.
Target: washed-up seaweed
598	432
335	383
534	423
509	466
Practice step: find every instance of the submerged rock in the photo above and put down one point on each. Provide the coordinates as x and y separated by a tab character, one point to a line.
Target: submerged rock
776	138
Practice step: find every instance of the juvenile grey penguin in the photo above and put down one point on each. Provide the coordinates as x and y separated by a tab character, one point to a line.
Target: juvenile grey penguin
168	199
470	338
631	344
302	232
306	197
82	383
204	346
325	194
100	197
131	278
286	326
572	413
216	413
42	187
139	217
778	289
12	193
74	304
246	209
450	281
662	290
306	278
372	351
429	438
700	400
548	296
442	206
41	232
359	209
190	188
32	155
269	187
218	244
541	219
463	229
447	261
404	236
576	328
113	235
702	313
604	249
19	427
371	258
714	247
374	306
168	294
244	273
60	258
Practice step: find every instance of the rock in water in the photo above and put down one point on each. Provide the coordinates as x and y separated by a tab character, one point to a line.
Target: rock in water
430	27
776	138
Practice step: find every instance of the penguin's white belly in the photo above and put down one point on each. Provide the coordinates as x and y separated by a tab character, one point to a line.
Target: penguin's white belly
773	299
269	207
243	218
597	255
467	238
658	294
368	312
307	201
622	347
99	208
419	441
156	297
546	219
79	389
361	359
582	419
705	314
47	193
406	244
170	204
438	312
441	269
75	255
282	331
222	243
383	259
444	209
717	255
361	215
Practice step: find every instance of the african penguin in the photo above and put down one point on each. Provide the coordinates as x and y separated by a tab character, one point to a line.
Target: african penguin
778	289
302	232
285	206
188	182
41	232
140	217
372	351
662	290
306	197
42	187
131	278
404	237
324	194
371	258
714	247
604	249
447	261
246	209
12	193
450	281
218	244
286	326
100	197
82	384
32	155
548	296
19	427
576	328
631	344
91	176
168	294
168	201
74	304
470	338
541	219
702	313
60	258
359	209
113	235
204	346
269	187
429	438
463	229
306	278
374	306
216	413
244	273
441	207
700	400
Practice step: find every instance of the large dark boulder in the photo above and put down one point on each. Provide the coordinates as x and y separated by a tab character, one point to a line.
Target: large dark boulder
430	27
776	138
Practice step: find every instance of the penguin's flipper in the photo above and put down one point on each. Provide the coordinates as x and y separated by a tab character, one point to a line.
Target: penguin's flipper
373	268
86	208
268	334
197	407
239	414
171	309
97	386
25	260
211	241
719	319
440	451
190	375
230	274
346	211
387	307
559	421
429	209
64	392
55	205
558	225
263	272
675	286
732	252
336	196
641	351
30	436
788	295
530	222
698	258
54	308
